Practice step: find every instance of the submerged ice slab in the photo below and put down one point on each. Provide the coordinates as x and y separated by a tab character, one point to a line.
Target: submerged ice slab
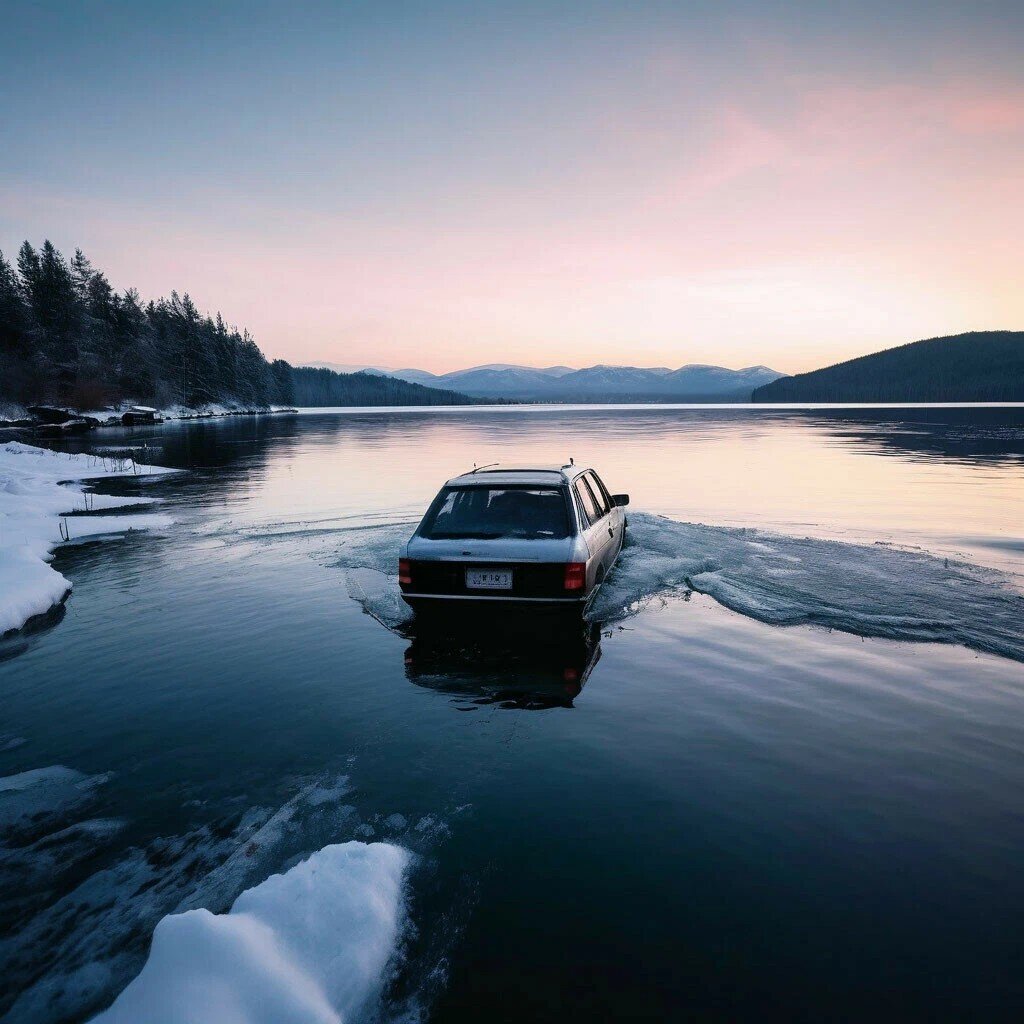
35	493
309	946
867	589
34	799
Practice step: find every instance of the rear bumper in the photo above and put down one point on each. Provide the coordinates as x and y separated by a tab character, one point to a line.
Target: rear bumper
491	601
444	582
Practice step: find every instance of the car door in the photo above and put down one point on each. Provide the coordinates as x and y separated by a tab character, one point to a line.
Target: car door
608	520
617	517
595	530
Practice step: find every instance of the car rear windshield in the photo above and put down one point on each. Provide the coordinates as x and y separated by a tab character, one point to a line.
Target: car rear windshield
487	513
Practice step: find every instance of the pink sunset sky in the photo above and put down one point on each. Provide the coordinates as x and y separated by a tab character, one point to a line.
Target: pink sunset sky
543	185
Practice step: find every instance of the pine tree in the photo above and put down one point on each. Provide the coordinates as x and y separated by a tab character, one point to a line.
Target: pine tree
81	273
62	314
17	367
28	269
133	341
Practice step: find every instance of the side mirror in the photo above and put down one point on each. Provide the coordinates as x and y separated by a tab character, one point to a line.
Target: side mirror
620	499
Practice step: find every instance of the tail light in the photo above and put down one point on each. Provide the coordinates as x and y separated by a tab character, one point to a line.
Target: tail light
575	575
405	572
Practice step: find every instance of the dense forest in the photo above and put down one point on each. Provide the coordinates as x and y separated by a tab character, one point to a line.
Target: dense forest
980	366
68	338
326	387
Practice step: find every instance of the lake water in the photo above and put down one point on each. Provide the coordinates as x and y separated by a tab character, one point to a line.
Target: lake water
686	813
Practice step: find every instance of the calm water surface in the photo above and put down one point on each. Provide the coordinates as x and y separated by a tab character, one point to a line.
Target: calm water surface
685	815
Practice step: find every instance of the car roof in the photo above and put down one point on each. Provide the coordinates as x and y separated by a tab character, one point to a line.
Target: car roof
500	474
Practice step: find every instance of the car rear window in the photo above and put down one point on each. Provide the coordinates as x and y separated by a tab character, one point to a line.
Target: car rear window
490	512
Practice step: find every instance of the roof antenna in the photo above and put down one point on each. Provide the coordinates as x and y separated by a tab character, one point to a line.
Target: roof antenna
572	461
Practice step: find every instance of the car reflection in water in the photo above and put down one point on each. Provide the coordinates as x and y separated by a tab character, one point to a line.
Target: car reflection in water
523	666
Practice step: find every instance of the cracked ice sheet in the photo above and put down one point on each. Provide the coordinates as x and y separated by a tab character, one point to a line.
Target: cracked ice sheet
866	589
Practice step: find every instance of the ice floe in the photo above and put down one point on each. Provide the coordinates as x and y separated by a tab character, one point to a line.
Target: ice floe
876	590
309	946
37	502
70	941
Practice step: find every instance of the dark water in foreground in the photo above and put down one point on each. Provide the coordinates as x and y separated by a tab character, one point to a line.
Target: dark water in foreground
687	814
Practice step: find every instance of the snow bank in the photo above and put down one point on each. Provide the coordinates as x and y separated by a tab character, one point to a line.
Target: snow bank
309	946
79	908
210	409
866	589
188	412
35	494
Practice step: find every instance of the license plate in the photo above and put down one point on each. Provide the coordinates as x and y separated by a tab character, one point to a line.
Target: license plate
488	579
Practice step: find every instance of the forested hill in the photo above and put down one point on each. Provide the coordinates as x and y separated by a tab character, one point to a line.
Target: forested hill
67	338
312	386
980	366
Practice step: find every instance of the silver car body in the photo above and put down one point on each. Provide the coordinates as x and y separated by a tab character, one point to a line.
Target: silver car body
594	542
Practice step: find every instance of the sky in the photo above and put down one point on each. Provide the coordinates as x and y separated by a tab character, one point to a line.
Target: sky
438	185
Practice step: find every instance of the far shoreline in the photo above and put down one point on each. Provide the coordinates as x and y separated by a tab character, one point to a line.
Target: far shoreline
21	429
537	407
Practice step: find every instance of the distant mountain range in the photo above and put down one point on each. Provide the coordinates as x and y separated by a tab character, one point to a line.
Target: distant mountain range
980	366
321	386
694	382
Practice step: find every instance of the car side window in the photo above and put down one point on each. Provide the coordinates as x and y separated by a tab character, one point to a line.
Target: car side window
590	507
600	492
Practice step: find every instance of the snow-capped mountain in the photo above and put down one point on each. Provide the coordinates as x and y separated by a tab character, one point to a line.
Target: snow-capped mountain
699	377
502	382
413	376
632	383
594	383
383	371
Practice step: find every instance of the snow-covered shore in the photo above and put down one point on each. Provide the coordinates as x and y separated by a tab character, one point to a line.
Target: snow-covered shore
182	412
185	412
39	492
16	421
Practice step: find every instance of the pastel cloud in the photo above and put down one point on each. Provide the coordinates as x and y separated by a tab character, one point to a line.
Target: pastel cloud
678	187
838	125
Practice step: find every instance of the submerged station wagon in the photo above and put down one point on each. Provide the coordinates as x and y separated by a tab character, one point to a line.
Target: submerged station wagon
509	536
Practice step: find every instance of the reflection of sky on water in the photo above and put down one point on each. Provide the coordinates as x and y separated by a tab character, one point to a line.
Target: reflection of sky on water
725	809
946	478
